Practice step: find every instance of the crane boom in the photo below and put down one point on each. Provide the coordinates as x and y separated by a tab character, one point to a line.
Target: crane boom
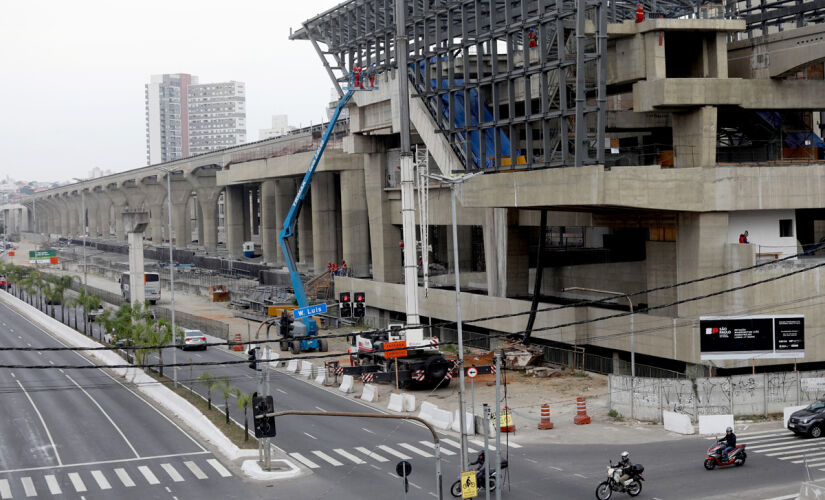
288	230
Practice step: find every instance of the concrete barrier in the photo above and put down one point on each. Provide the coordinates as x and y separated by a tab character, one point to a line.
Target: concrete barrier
787	411
714	424
370	393
292	366
396	403
306	369
321	378
678	422
441	419
409	402
346	384
812	490
469	423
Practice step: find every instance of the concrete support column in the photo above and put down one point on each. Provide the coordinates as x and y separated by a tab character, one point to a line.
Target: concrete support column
92	214
506	253
325	221
248	194
384	236
209	221
694	137
64	218
284	196
700	251
355	223
104	206
156	223
180	224
120	233
305	227
234	207
74	216
269	221
465	248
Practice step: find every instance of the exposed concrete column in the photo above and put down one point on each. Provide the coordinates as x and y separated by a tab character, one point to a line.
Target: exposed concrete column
355	223
700	251
154	199
234	219
208	193
92	214
325	221
104	208
64	217
465	248
284	196
655	65
305	238
74	216
269	221
694	138
119	208
506	253
384	236
181	191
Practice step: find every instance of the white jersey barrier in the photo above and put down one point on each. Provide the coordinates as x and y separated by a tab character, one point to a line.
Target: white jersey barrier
396	403
714	424
409	402
787	413
306	369
346	384
469	424
292	366
435	416
678	422
322	377
370	393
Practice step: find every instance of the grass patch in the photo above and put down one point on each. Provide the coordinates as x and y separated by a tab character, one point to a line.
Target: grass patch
760	417
615	415
232	431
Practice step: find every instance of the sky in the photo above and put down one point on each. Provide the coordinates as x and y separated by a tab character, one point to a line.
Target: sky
74	74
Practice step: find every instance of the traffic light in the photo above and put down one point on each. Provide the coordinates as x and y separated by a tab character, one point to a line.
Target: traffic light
286	325
360	304
253	358
346	304
264	425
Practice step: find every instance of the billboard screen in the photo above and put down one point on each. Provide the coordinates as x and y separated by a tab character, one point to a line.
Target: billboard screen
746	337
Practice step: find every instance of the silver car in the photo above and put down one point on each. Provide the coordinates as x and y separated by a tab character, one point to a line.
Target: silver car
193	339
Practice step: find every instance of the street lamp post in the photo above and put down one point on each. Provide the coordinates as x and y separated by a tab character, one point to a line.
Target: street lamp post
169	173
454	183
632	329
83	222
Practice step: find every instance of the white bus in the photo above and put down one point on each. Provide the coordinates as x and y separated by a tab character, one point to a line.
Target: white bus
151	288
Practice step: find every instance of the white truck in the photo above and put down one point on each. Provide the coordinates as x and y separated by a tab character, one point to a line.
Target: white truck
151	286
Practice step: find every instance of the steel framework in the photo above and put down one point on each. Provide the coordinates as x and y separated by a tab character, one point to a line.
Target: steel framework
764	17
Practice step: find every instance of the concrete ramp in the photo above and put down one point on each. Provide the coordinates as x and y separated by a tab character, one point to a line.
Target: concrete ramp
777	54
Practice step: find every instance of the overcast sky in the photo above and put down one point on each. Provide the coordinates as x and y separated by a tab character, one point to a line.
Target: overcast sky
73	74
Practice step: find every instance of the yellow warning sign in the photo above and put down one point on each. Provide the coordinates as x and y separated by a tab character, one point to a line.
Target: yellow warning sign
468	484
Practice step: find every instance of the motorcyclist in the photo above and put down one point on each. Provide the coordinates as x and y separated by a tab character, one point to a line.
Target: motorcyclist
480	469
730	443
625	464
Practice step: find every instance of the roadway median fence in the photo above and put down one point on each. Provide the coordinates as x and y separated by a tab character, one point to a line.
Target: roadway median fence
738	395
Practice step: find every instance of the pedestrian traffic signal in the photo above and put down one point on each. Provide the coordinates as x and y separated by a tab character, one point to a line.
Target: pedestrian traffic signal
360	309
346	304
262	408
253	358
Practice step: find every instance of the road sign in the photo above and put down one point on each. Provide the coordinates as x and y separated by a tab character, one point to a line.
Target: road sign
400	352
750	337
403	468
308	311
468	484
472	372
42	256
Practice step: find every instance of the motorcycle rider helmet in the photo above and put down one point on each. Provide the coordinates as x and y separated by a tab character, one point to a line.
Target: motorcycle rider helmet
625	454
729	429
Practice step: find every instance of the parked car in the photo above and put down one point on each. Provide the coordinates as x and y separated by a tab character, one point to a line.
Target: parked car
193	339
2	281
809	420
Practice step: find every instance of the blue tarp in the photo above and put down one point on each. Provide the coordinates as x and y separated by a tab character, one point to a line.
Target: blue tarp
803	140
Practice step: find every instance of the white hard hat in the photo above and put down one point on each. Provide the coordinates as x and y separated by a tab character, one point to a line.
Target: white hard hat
625	454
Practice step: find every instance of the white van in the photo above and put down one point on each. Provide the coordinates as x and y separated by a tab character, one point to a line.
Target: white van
151	286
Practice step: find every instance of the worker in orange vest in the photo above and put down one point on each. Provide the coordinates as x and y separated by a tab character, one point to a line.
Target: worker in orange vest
640	13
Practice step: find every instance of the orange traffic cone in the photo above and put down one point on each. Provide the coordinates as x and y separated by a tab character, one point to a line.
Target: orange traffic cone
237	347
545	418
581	417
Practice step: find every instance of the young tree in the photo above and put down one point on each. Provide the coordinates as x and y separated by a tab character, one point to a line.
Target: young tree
227	390
208	381
244	401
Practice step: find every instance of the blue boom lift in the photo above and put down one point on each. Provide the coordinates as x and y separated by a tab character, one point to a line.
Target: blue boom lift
303	336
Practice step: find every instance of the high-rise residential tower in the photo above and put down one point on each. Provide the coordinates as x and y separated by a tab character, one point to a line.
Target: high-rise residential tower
184	118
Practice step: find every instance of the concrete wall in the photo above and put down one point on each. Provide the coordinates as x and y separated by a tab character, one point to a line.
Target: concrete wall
763	229
739	395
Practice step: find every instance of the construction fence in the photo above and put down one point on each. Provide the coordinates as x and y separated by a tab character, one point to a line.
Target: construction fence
738	395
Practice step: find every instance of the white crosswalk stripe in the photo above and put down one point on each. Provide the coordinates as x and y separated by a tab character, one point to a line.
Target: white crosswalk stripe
444	450
124	477
304	460
78	484
54	486
174	474
457	445
374	456
329	459
101	480
349	456
785	445
490	446
148	474
28	486
218	467
192	466
415	450
5	489
394	452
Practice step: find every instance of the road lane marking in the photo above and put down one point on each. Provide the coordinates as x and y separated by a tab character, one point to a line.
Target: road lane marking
413	449
320	409
124	477
349	456
28	486
580	475
394	453
49	434
786	497
101	462
324	456
281	391
374	456
218	467
555	468
196	471
54	487
310	435
101	480
458	445
481	443
511	444
792	447
78	484
5	489
802	456
365	429
176	477
137	455
148	474
432	445
304	460
415	485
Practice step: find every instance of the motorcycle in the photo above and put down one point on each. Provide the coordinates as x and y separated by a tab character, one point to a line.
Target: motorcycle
455	489
736	457
614	473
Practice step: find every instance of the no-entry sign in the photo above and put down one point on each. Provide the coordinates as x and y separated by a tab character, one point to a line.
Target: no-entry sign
472	372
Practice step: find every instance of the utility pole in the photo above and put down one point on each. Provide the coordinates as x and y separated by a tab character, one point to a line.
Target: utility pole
498	424
83	222
171	270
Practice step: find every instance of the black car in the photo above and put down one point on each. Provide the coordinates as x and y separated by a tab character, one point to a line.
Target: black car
809	420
